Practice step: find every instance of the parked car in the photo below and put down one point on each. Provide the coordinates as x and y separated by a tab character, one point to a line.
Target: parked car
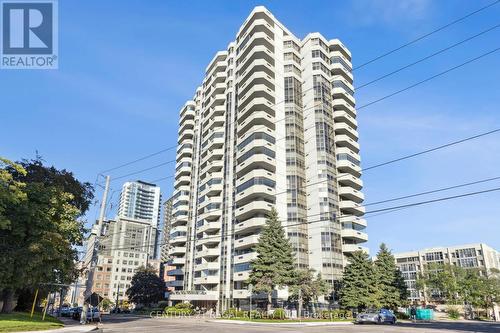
93	314
76	313
376	317
65	311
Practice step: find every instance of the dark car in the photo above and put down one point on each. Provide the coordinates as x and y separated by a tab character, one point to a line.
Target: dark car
376	317
77	312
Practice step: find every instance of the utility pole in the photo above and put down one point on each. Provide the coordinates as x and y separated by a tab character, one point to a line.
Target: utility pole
95	253
117	294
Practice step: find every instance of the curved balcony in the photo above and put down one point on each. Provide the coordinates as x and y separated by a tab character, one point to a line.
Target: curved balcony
174	284
176	250
255	144
258	66
209	226
187	134
343	140
209	240
212	279
254	105
241	293
251	225
336	45
253	208
349	167
352	208
182	180
208	253
246	242
207	265
354	236
256	191
338	69
351	194
247	257
176	261
257	161
351	248
345	129
340	92
259	119
241	276
340	104
177	240
341	116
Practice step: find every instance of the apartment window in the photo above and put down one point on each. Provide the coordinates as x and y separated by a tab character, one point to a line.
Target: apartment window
255	181
340	84
256	150
320	54
293	91
256	136
348	157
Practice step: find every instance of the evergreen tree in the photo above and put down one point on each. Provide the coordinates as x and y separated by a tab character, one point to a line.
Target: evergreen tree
391	286
274	265
146	287
359	287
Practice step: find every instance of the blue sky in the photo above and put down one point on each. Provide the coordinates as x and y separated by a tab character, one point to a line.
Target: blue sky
127	67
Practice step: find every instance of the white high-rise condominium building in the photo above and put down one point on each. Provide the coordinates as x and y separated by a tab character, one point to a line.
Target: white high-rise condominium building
411	264
272	125
141	201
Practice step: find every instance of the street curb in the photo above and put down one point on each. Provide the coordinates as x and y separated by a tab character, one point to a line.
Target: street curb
310	323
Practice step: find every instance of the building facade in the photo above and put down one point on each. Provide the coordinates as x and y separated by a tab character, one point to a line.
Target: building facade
124	245
412	264
273	125
141	201
167	223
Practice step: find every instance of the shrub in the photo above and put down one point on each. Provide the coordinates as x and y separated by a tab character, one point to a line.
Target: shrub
402	315
255	314
234	313
279	314
183	305
452	312
175	311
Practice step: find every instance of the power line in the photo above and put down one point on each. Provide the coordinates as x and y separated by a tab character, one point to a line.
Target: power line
426	35
385	210
358	109
432	191
314	106
432	149
138	160
426	58
437	200
428	79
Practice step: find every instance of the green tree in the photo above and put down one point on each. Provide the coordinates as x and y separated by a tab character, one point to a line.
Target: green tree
274	265
391	287
39	228
146	287
359	286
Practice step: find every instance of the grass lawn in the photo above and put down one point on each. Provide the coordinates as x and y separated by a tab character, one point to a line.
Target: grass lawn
20	321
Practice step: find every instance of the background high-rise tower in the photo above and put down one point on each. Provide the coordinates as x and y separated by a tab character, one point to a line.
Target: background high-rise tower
140	200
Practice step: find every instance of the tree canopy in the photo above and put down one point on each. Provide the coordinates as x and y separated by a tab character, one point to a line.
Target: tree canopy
146	287
39	226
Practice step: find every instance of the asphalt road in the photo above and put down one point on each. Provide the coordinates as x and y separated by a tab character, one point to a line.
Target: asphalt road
127	323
